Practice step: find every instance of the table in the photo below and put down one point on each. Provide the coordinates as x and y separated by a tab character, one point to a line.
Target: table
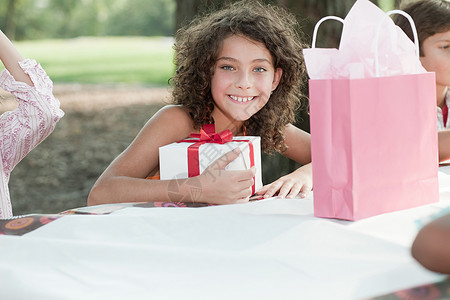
267	249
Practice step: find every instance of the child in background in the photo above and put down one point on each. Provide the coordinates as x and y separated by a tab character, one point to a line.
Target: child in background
34	119
432	20
240	68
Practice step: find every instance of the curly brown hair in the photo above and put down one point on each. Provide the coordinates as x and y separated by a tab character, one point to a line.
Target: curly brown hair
198	44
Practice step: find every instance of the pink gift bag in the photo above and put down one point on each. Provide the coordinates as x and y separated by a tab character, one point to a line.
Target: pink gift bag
374	144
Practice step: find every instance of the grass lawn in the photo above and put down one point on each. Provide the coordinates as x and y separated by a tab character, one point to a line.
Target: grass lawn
142	60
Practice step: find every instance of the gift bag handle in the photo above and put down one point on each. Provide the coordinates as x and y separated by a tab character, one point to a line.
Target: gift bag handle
416	40
316	28
377	66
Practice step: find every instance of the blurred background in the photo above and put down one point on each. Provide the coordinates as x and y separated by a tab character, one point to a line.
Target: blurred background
110	61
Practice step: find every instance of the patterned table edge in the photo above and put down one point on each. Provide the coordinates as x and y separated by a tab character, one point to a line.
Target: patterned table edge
21	225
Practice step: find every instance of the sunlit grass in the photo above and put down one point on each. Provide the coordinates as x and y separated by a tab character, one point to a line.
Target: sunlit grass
144	60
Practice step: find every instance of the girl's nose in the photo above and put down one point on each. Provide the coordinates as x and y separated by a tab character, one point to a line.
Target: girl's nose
243	81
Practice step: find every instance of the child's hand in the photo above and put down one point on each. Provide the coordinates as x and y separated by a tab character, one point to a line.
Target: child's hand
220	186
289	186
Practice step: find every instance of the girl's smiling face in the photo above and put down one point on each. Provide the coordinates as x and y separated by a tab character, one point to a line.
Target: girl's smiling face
244	77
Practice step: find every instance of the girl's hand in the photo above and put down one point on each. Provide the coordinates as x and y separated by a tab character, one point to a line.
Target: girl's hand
220	186
289	186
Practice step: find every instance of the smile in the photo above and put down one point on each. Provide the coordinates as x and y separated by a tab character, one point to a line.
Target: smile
242	99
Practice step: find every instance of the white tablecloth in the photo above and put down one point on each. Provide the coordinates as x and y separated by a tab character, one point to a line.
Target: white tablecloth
268	249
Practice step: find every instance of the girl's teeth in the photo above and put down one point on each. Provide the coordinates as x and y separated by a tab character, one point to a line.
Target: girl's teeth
241	99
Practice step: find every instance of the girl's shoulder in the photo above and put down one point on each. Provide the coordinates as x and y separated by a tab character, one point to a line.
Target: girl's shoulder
173	120
175	114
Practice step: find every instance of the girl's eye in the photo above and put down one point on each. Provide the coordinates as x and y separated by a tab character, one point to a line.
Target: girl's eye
259	69
444	45
228	68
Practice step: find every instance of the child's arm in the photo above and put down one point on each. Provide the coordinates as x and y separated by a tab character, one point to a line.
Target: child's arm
124	180
444	145
299	181
10	58
38	110
431	246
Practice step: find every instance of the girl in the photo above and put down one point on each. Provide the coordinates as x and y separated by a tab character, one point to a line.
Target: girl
35	118
240	68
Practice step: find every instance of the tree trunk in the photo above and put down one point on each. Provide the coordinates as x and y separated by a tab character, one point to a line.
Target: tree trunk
309	12
10	26
188	9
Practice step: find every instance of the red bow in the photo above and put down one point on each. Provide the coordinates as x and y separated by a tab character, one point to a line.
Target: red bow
208	134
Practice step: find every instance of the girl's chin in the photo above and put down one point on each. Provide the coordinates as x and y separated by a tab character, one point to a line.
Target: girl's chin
242	118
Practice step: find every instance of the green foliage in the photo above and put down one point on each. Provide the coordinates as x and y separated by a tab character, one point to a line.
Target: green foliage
35	19
386	4
145	60
141	17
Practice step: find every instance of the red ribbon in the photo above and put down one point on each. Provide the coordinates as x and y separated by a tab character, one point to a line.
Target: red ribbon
207	135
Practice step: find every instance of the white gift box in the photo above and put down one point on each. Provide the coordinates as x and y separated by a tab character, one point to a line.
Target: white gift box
173	158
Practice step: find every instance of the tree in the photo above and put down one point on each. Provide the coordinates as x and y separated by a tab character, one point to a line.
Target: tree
142	17
10	26
187	9
308	12
31	19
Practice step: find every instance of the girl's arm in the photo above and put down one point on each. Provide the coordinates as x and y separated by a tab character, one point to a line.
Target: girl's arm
444	145
431	246
10	58
124	180
299	143
299	181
